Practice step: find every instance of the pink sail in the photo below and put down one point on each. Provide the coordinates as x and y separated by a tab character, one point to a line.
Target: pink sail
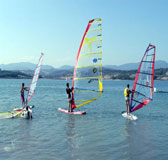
143	85
34	79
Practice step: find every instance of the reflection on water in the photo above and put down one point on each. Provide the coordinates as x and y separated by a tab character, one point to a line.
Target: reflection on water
73	138
139	140
71	135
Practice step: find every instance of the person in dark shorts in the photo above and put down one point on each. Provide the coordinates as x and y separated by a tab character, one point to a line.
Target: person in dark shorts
69	96
22	89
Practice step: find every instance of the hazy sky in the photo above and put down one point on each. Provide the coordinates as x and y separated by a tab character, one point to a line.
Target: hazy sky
56	27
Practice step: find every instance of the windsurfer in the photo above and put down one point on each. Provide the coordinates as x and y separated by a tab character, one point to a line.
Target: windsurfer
127	92
23	88
69	96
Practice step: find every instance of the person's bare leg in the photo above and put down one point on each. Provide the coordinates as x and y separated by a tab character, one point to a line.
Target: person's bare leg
23	103
71	106
69	110
128	110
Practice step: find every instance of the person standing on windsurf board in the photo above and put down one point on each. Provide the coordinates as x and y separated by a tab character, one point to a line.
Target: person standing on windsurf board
69	96
127	92
22	89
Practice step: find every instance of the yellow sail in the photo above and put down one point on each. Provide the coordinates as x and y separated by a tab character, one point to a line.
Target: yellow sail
87	78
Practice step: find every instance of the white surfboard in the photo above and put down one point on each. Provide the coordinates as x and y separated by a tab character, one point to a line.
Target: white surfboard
131	116
22	108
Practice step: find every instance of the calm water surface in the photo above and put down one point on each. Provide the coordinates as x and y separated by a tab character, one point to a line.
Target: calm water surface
101	134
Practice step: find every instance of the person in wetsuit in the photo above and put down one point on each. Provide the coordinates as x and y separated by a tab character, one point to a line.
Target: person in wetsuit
69	96
22	89
127	92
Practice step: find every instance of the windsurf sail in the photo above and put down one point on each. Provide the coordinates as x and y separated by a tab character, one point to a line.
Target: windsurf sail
87	76
13	114
143	85
5	115
34	79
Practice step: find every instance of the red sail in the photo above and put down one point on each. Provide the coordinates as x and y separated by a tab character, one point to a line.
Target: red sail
143	85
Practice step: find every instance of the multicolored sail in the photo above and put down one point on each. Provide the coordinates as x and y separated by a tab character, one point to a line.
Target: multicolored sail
87	77
143	85
34	79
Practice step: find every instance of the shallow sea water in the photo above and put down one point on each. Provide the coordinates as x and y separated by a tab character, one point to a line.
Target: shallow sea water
101	134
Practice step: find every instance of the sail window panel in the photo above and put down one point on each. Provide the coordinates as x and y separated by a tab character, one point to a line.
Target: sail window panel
88	72
95	26
85	90
91	45
139	97
97	30
147	67
91	59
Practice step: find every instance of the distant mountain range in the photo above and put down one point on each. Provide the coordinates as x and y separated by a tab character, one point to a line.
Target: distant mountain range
30	66
23	66
132	66
127	66
122	72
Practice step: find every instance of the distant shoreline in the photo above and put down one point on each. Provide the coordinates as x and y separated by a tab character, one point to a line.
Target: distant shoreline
166	79
62	74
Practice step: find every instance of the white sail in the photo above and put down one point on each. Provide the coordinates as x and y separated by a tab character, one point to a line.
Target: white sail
34	79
